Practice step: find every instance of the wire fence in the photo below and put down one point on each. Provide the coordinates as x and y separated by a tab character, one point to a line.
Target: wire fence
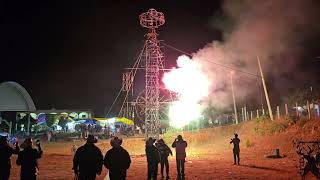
295	111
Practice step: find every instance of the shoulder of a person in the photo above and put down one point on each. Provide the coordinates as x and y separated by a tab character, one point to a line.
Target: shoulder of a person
80	148
109	152
97	148
7	147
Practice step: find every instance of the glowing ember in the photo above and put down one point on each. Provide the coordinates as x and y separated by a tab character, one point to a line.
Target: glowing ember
192	85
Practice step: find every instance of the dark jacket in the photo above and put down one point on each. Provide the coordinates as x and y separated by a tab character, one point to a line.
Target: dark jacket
5	155
236	142
27	159
152	153
163	149
88	160
180	146
117	160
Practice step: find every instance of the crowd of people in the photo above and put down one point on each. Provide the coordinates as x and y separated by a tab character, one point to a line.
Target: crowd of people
88	160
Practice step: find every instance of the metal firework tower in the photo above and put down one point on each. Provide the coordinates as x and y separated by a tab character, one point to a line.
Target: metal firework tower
154	60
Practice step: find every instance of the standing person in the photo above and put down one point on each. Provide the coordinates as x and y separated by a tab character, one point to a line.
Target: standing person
236	148
180	146
5	157
28	159
153	158
117	160
49	135
88	160
164	153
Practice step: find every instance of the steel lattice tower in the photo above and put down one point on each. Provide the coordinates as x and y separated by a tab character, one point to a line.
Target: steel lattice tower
154	60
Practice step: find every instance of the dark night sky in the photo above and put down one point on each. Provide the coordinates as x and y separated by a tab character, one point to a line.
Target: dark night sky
71	53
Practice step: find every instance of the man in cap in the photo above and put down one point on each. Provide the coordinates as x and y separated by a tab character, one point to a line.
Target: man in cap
117	160
153	158
5	157
88	160
236	148
28	159
180	146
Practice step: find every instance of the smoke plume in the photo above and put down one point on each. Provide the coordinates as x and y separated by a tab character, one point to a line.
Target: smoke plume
274	30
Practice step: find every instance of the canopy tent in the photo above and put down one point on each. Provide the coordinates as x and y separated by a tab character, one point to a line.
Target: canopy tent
123	120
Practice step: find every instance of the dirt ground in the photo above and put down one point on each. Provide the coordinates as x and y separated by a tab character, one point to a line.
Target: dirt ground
210	166
209	156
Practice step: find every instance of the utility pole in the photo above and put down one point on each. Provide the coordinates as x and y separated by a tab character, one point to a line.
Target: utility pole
234	100
28	126
265	89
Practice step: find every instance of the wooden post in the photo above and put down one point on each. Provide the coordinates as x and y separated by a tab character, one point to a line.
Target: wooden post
251	115
308	108
234	100
257	113
265	89
286	107
245	113
242	115
263	111
278	112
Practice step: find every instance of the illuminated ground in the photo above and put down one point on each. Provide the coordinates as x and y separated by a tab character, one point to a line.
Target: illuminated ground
209	155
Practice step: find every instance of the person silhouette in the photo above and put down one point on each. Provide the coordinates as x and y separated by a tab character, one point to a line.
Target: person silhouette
5	157
117	160
180	146
236	149
153	158
28	159
88	160
164	153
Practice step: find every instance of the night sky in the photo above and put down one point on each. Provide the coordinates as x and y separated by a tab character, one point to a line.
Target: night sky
71	53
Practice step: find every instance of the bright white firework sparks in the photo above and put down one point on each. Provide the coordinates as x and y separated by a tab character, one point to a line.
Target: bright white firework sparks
192	85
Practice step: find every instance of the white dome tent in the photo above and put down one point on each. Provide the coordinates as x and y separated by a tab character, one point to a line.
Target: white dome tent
14	97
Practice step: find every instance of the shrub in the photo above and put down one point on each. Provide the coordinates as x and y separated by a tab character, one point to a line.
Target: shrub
302	122
249	143
260	131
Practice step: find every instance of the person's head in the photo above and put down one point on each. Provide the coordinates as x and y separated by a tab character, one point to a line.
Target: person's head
91	139
179	138
150	141
161	141
116	142
235	135
3	140
28	142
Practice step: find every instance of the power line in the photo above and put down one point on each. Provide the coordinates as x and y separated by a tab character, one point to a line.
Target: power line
135	65
213	62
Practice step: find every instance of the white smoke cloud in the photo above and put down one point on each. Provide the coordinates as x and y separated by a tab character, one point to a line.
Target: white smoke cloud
276	30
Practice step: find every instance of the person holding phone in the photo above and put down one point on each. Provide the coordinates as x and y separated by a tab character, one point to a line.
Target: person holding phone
180	146
28	159
6	152
236	149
